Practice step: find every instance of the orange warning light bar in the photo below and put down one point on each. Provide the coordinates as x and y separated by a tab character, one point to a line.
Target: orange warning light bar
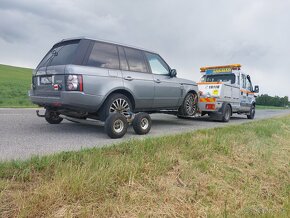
232	66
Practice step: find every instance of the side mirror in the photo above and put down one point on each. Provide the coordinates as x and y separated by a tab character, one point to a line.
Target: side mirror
256	90
173	73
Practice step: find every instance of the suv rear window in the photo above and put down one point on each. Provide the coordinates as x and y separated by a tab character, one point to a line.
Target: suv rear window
60	54
104	55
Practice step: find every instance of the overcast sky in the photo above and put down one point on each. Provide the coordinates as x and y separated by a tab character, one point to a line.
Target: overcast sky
187	34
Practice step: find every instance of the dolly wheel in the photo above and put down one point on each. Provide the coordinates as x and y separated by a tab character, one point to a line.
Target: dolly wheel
142	123
116	125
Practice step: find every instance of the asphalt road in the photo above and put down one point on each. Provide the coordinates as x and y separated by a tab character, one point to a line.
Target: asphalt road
23	134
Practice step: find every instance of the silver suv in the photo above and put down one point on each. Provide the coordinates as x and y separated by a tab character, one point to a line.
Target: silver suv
84	78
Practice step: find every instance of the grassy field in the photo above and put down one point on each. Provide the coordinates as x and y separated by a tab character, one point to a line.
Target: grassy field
238	171
263	107
14	85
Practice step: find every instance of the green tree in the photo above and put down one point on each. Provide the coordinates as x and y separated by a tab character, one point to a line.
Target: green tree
267	100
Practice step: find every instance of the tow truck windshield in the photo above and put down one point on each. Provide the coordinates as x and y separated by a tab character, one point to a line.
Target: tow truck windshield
219	78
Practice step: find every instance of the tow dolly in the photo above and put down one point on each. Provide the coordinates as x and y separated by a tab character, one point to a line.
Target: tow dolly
115	125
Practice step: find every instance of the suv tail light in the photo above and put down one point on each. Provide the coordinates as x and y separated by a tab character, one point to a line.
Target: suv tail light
74	83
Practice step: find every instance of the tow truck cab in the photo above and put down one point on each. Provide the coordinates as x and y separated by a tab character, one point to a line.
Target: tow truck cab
225	90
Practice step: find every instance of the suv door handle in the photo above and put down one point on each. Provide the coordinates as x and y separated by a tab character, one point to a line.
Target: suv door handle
129	78
157	80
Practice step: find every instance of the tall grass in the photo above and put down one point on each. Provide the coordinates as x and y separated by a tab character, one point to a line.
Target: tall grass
232	171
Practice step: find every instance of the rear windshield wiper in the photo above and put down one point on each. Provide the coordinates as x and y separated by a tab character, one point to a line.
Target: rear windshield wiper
53	54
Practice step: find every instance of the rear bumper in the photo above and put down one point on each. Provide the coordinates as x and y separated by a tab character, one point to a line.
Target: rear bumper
69	100
216	104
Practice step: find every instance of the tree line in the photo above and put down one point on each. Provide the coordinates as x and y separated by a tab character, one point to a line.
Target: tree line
267	100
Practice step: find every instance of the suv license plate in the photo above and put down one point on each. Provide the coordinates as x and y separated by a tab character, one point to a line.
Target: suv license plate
45	80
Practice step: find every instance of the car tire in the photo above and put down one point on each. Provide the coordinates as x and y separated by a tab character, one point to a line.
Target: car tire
227	112
115	100
251	116
142	123
189	106
116	125
52	117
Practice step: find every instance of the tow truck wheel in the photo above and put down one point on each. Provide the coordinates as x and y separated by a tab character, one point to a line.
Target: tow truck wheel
116	125
52	117
252	113
189	106
226	113
142	123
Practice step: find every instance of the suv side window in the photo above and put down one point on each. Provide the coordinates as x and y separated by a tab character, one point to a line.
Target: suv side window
158	66
135	60
123	60
104	55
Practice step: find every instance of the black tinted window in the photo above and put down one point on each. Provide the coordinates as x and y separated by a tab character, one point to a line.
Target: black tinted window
123	61
104	55
60	54
135	60
64	55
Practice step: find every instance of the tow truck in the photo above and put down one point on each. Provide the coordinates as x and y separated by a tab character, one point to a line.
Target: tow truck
224	90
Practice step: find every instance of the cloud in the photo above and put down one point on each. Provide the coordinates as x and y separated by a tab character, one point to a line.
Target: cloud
188	34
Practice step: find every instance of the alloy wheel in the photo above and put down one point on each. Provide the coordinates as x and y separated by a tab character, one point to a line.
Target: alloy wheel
120	105
191	104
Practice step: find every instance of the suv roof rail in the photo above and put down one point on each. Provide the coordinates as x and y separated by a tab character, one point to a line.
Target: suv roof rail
107	41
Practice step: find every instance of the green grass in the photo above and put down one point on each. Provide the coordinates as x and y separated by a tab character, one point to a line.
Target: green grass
240	171
14	85
264	107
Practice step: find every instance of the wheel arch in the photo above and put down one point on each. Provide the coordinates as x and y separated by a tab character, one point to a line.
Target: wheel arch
192	91
124	92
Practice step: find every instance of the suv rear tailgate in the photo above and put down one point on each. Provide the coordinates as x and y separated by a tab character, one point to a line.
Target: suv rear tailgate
44	80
